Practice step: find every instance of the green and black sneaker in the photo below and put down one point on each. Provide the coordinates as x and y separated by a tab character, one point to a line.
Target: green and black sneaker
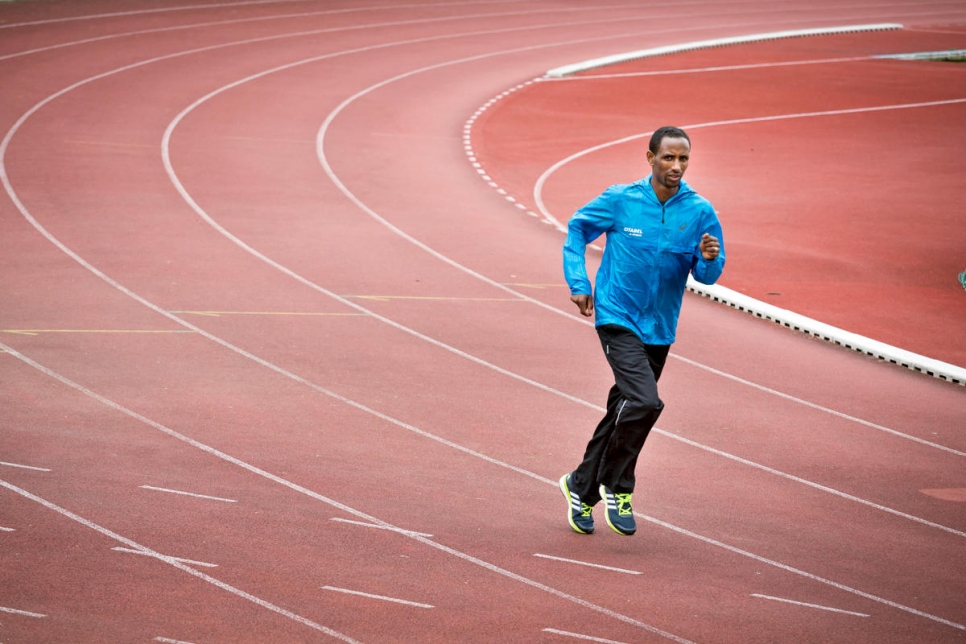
620	515
578	513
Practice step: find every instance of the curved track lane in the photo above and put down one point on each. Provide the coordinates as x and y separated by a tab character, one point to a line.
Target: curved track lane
217	315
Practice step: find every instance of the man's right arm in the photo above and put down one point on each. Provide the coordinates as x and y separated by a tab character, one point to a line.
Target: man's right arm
585	226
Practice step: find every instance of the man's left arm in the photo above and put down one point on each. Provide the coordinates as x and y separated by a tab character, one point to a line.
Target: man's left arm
709	256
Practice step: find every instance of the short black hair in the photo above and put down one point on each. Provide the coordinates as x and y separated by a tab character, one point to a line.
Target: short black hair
662	133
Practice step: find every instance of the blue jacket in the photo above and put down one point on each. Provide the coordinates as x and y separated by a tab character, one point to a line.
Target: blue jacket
650	250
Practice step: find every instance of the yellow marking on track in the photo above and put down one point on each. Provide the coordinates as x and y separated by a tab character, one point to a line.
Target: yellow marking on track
113	144
386	298
261	139
540	286
39	331
215	314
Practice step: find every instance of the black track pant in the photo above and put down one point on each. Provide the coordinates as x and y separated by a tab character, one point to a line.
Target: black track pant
633	407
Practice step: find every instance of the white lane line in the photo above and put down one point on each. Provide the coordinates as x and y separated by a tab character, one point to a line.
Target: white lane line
8	530
379	597
581	637
14	611
277	16
456	553
197	496
585	563
817	407
812	484
25	467
167	640
381	527
828	608
175	563
288	16
189	562
117	14
807	575
129	34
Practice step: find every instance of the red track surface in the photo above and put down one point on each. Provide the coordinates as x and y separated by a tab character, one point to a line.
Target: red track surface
839	177
215	280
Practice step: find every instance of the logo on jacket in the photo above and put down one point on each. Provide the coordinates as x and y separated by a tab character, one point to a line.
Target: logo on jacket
634	232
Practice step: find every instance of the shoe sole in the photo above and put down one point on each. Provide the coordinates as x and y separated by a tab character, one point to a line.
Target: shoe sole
565	489
618	530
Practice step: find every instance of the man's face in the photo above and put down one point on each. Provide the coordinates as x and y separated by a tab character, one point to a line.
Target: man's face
670	162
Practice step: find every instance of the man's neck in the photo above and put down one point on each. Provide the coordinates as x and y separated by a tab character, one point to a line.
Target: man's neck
662	192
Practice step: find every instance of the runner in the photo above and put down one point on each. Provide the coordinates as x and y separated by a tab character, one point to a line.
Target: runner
658	230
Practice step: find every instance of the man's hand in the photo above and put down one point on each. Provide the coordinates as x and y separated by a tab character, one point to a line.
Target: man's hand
584	302
709	247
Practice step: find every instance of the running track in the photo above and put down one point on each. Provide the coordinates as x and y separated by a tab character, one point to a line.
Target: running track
280	367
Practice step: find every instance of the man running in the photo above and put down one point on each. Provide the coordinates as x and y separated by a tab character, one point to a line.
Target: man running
658	230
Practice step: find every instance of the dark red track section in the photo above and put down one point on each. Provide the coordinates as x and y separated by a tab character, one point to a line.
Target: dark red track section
278	366
840	199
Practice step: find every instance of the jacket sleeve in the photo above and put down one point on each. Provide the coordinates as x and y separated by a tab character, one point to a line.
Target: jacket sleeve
704	271
587	224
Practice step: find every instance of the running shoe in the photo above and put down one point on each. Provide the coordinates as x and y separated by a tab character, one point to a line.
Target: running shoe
620	515
578	513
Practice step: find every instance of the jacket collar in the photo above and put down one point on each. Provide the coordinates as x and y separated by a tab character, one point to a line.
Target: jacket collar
645	185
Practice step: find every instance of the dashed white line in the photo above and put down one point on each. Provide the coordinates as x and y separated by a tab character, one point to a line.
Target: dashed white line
319	497
382	527
170	641
461	555
585	563
25	467
818	606
199	496
14	611
7	530
379	597
173	562
189	562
